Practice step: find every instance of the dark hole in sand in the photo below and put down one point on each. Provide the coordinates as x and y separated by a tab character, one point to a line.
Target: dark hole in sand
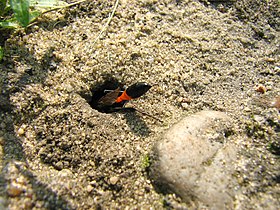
133	119
100	90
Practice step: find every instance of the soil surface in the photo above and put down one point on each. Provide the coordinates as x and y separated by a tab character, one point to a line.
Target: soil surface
57	152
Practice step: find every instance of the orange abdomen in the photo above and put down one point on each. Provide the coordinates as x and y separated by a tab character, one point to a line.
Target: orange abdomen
123	97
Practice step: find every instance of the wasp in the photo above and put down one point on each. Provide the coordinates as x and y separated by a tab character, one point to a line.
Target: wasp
115	100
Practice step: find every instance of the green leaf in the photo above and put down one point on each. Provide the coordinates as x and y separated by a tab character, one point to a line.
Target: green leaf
2	6
21	10
1	53
34	15
47	3
11	23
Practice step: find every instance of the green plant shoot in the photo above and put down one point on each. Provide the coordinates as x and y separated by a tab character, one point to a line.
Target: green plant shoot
21	11
1	53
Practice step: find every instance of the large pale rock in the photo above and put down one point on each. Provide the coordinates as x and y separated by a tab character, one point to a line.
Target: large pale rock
195	160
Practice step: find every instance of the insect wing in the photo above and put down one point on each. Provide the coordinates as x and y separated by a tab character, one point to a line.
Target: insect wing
110	98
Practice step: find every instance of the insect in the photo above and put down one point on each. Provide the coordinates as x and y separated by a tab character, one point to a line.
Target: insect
116	99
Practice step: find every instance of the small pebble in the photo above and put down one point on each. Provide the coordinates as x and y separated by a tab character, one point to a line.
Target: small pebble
184	105
261	89
59	165
89	188
247	109
21	131
65	173
114	180
270	60
14	191
276	102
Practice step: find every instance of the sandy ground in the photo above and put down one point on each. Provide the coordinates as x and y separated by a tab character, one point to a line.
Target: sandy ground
59	153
